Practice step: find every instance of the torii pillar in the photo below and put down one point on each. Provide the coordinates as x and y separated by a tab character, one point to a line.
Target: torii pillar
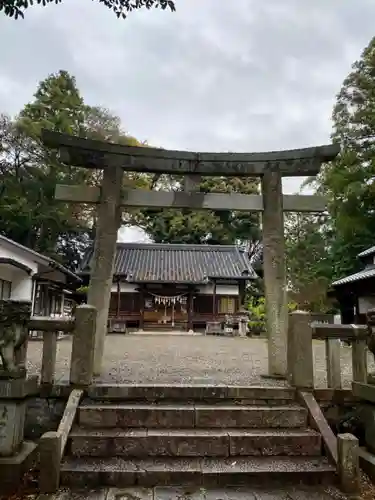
274	269
101	275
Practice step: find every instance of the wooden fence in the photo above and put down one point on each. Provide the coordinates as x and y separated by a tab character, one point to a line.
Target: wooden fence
302	331
82	327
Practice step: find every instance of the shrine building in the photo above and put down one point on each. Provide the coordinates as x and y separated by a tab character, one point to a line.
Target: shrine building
174	286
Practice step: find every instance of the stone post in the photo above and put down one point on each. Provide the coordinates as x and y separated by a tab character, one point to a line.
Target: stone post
371	337
333	360
242	325
82	358
348	463
15	453
300	351
275	273
108	223
190	304
49	459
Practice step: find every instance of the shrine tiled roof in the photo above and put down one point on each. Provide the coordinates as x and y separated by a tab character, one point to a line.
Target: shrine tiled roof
367	253
153	262
367	273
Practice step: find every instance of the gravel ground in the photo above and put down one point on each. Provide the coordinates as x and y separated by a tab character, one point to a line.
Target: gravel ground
170	359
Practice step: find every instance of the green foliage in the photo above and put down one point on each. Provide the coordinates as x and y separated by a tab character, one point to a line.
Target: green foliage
213	227
309	260
257	314
348	182
16	8
29	213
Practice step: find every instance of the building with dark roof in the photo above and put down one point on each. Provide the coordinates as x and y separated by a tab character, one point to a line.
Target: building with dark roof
29	275
356	293
170	285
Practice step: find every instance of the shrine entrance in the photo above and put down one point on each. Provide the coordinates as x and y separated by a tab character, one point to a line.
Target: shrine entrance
112	197
165	310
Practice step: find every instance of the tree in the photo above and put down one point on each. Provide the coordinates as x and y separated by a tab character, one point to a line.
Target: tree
101	124
194	226
308	258
348	182
29	213
16	8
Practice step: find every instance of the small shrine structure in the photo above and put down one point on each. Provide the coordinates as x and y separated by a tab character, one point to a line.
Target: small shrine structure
181	287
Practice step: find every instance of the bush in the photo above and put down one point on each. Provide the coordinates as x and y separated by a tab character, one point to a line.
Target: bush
257	315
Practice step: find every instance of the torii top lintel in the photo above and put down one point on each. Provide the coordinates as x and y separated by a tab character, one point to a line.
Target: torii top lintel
89	153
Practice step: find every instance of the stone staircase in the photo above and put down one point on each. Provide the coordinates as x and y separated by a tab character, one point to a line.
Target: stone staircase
194	436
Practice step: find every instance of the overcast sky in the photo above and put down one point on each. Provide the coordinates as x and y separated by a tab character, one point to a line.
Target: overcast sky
217	75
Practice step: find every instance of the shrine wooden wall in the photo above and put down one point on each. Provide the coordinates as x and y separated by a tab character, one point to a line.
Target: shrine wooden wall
202	304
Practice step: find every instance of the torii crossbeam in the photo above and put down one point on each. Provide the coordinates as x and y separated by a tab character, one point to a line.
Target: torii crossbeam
114	159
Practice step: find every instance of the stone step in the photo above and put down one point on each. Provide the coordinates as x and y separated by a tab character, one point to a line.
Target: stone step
141	443
93	472
150	393
190	416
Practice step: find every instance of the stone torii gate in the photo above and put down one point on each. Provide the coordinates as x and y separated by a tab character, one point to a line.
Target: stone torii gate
111	198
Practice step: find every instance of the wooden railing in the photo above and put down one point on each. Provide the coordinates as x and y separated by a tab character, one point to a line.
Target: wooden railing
82	326
301	334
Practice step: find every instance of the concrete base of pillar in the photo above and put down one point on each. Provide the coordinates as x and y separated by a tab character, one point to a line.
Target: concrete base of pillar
12	469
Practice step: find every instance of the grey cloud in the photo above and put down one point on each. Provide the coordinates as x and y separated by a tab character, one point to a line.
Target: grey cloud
222	75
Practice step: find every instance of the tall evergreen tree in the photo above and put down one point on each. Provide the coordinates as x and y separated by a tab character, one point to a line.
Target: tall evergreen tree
29	213
348	182
34	217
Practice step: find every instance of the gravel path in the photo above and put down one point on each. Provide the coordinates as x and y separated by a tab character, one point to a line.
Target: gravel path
169	359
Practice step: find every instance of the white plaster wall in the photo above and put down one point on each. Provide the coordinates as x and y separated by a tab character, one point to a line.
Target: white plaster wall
366	303
124	287
6	273
19	257
337	319
22	286
220	290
